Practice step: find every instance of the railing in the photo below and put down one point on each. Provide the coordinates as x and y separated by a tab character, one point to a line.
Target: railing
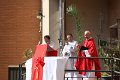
115	75
13	72
22	73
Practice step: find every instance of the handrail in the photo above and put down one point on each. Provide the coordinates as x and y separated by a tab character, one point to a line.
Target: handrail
88	70
116	58
20	70
117	72
110	58
92	57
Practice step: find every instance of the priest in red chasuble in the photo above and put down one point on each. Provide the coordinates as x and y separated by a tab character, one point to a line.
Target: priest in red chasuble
38	63
88	49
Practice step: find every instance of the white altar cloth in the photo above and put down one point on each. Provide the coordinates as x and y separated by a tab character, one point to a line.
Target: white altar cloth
53	69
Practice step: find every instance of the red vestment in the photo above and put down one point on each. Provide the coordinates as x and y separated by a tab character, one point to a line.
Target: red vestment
87	64
38	60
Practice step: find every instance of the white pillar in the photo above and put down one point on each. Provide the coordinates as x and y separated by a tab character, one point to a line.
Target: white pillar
45	24
51	20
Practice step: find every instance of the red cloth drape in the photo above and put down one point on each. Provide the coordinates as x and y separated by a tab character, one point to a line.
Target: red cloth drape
38	60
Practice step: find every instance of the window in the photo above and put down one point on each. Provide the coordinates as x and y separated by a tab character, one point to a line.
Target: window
13	72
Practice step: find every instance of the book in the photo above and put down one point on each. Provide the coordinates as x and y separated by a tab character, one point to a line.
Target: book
83	48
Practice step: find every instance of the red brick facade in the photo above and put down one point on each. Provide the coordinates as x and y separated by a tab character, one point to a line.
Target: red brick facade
18	30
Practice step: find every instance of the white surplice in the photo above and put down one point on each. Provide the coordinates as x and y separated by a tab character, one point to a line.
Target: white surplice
52	45
69	48
69	51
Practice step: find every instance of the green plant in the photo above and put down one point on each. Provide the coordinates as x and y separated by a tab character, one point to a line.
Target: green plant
102	53
105	74
72	11
109	50
27	53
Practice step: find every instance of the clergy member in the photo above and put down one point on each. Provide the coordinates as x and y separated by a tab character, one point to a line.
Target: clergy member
70	46
49	42
69	51
88	50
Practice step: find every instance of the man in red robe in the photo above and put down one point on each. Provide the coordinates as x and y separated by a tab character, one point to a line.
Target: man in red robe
88	49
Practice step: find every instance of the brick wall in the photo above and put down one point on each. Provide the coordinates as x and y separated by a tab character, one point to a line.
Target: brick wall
18	30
